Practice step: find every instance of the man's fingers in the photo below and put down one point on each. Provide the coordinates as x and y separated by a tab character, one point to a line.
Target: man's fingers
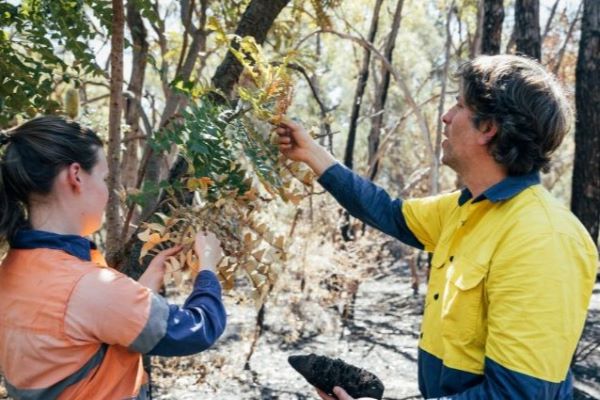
324	395
341	394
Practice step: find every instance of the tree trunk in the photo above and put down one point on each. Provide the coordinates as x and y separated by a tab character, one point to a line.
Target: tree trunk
527	28
113	217
256	22
134	100
363	77
585	196
382	91
561	52
549	21
493	16
435	167
475	42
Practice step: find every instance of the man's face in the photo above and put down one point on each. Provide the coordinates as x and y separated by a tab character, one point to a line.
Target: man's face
461	146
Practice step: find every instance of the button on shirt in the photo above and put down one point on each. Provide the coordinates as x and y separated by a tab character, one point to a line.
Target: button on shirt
511	280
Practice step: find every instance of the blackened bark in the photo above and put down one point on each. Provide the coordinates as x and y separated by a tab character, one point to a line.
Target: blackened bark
585	197
382	91
527	28
493	16
256	22
363	77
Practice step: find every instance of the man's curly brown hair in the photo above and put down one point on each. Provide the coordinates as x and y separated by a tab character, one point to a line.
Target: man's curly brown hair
527	104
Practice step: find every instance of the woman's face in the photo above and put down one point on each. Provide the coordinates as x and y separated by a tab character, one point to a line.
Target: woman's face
95	195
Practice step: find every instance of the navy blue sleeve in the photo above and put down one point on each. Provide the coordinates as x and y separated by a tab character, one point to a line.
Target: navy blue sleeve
368	202
197	324
502	383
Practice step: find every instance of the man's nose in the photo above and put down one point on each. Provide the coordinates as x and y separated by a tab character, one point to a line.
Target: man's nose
447	117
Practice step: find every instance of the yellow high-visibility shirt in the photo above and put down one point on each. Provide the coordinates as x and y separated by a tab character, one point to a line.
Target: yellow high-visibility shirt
510	280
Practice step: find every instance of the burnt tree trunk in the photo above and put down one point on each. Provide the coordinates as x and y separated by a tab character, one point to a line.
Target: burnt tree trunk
585	197
113	215
493	16
381	93
363	77
256	22
527	28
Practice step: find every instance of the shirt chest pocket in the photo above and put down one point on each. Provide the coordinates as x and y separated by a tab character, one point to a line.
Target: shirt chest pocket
463	302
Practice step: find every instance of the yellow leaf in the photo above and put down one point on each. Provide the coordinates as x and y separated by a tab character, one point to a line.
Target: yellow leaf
261	228
156	227
144	236
279	242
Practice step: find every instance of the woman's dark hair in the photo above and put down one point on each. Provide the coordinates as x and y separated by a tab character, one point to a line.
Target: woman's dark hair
527	104
35	153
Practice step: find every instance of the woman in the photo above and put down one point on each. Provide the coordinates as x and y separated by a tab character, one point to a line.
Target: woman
70	327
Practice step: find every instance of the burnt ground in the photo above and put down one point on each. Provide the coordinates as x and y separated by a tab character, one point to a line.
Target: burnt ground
381	337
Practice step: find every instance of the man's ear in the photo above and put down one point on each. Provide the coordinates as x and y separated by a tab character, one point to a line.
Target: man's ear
74	176
488	130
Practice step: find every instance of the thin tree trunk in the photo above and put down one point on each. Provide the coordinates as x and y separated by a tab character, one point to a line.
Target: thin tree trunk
136	85
561	52
113	217
363	77
527	28
382	91
493	16
476	43
156	164
435	167
585	196
549	21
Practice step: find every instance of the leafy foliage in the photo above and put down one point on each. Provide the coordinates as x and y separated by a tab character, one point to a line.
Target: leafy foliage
32	37
234	170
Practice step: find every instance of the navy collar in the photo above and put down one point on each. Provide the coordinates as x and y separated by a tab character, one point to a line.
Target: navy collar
74	245
507	188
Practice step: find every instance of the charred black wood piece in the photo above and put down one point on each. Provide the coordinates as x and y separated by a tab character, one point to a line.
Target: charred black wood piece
325	373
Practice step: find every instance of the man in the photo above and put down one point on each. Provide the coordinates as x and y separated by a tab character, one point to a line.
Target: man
512	269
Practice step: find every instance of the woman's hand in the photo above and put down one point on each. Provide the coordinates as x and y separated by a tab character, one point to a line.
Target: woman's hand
154	274
209	251
341	395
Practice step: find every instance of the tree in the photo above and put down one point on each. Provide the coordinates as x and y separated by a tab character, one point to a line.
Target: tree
113	208
585	198
381	93
493	16
527	28
363	77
